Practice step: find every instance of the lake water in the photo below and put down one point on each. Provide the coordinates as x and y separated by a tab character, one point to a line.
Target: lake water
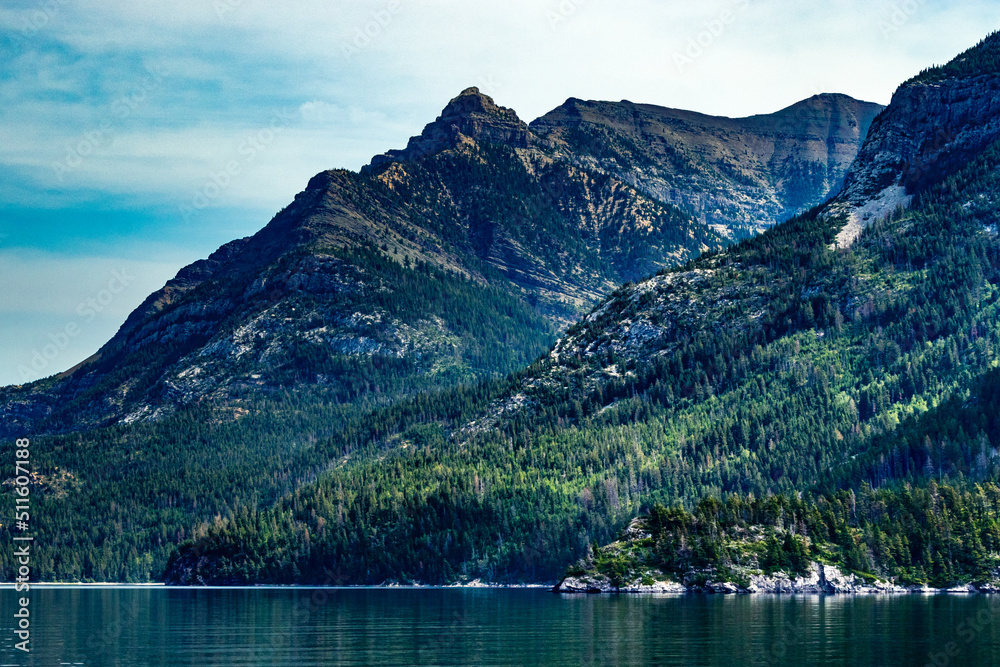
303	627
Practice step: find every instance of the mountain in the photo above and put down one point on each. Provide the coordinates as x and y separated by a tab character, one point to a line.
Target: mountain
453	260
795	362
412	287
739	175
480	209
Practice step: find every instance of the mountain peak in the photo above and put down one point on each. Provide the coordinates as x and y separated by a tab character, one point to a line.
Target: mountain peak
824	102
472	100
475	114
472	115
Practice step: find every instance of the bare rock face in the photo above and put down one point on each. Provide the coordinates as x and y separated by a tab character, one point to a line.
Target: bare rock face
929	128
935	123
472	115
738	174
819	580
722	588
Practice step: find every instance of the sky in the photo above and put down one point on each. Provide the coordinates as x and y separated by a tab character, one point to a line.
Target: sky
136	138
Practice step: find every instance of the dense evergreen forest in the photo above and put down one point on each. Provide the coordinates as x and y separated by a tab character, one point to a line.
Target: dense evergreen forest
111	503
801	366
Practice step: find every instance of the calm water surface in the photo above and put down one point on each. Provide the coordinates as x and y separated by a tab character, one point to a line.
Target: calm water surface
304	627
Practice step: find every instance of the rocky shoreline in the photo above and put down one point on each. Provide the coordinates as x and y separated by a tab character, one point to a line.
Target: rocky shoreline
821	580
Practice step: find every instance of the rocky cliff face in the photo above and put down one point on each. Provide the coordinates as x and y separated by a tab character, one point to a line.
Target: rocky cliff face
931	127
936	123
740	175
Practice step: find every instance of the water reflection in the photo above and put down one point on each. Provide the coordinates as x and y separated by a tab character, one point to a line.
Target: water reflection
302	627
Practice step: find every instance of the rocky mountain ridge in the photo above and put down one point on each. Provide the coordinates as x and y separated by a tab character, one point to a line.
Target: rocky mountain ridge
478	197
472	114
740	175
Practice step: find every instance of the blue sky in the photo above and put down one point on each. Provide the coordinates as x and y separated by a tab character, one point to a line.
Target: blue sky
116	118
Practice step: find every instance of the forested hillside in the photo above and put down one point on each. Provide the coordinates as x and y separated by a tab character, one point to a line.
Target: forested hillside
788	364
328	401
